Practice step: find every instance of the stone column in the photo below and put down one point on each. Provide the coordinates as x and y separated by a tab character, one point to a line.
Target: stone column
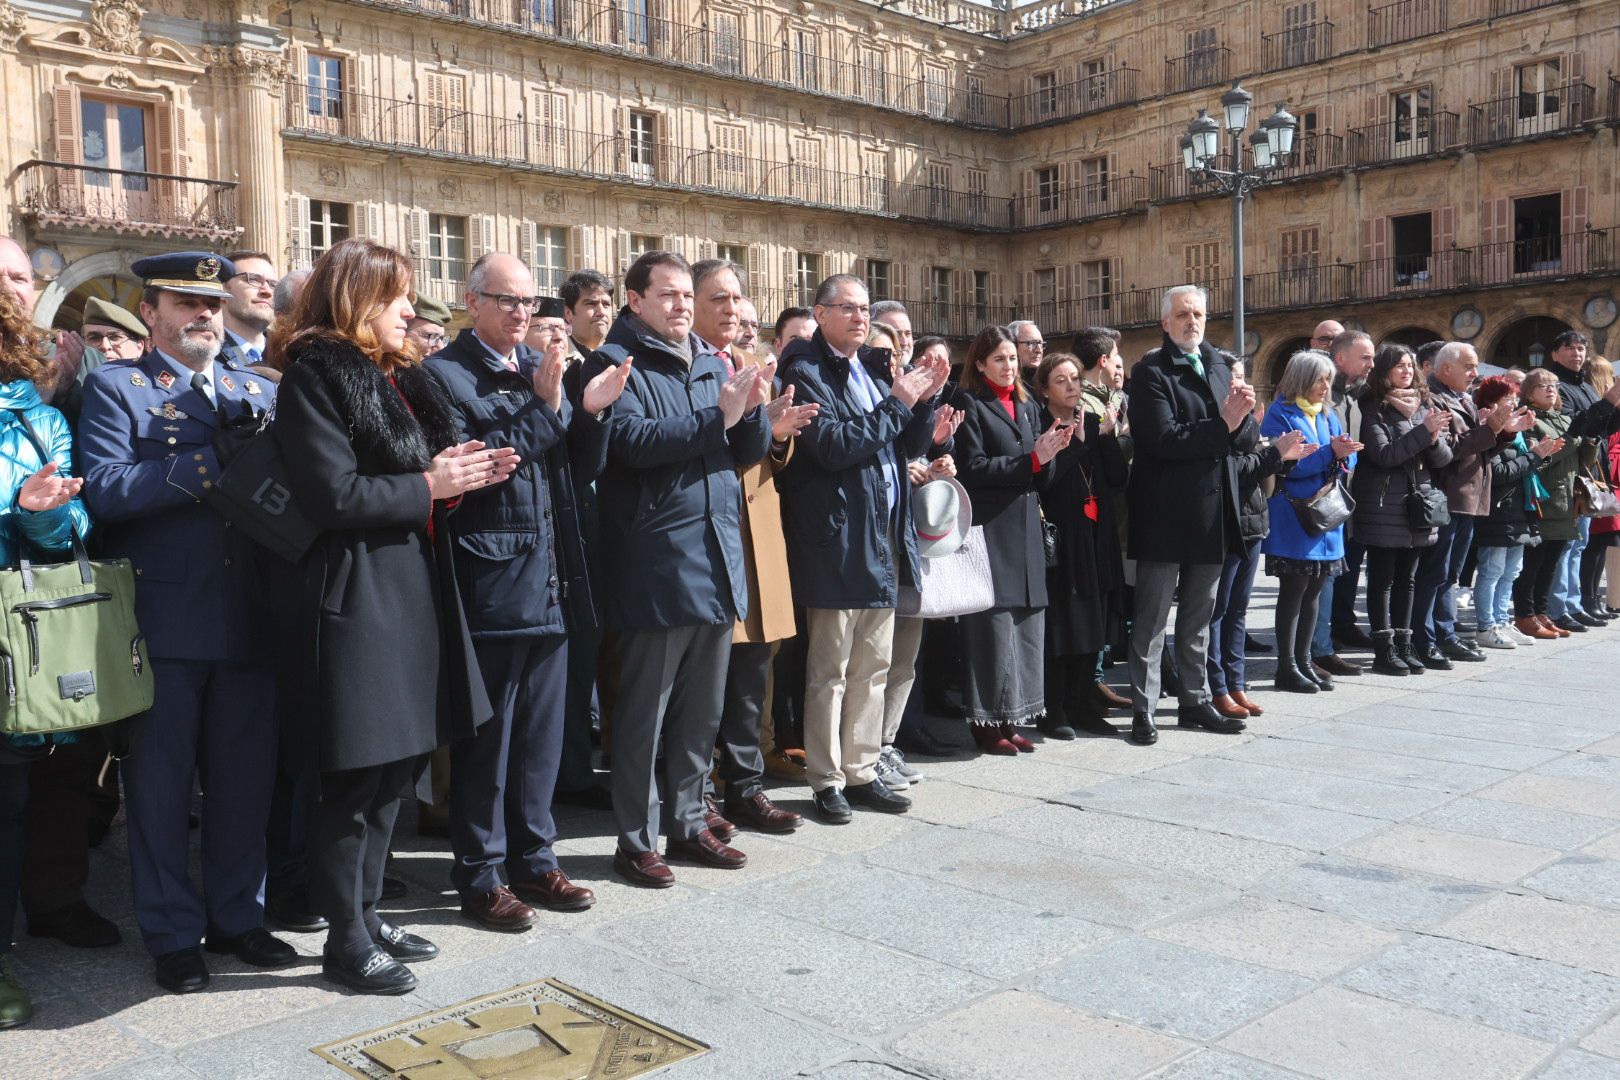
256	78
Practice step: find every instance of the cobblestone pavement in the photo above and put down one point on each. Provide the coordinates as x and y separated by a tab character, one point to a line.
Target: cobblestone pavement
1404	879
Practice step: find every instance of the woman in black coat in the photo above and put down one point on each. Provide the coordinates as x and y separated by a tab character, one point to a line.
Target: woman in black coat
380	669
1404	441
1001	461
1084	588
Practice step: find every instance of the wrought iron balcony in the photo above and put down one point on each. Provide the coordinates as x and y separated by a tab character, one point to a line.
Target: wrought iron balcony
1197	69
1296	46
1170	182
1094	93
83	197
1500	8
1403	138
1314	153
433	131
1526	115
1405	20
1080	202
444	279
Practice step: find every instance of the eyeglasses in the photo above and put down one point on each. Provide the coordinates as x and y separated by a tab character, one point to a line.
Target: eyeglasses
509	303
258	282
109	340
1322	339
852	310
1033	346
431	339
746	325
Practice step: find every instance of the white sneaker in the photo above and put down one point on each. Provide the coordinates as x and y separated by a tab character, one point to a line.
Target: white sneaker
1514	635
1495	638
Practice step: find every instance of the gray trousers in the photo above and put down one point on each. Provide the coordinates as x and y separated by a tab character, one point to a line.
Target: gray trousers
1155	593
671	690
748	682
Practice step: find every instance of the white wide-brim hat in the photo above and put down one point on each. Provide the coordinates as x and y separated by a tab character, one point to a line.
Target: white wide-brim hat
942	514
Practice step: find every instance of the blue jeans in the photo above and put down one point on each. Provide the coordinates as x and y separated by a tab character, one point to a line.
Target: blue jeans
1230	622
1565	598
1434	612
1494	574
1337	604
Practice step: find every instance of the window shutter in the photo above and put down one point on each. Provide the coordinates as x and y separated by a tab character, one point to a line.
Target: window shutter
66	107
528	236
789	278
1026	295
1375	275
1445	233
756	276
624	252
576	248
171	140
372	221
298	253
484	235
418	222
1495	231
1572	223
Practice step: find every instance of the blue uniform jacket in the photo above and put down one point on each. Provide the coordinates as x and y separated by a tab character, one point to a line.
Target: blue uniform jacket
835	508
520	561
1288	537
146	443
669	500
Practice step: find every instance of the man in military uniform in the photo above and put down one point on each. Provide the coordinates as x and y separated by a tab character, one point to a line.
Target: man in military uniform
116	332
147	438
427	326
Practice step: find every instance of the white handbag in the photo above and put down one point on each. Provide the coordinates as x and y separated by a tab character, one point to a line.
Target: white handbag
952	585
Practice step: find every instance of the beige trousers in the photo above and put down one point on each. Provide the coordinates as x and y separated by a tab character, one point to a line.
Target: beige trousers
1612	570
846	668
902	674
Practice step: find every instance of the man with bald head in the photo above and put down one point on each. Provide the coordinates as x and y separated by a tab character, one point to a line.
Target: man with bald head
1322	337
17	273
520	566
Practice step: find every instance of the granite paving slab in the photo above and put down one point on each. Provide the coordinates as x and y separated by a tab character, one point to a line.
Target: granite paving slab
1380	895
1449	854
1219	811
1572	934
1273	934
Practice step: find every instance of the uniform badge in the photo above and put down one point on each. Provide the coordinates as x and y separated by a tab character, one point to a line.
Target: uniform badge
208	269
167	411
166	379
225	380
170	412
253	387
137	379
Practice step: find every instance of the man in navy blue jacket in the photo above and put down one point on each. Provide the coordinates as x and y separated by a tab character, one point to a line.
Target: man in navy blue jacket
670	506
520	566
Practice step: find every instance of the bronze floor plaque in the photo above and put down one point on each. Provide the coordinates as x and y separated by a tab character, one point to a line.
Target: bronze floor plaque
541	1031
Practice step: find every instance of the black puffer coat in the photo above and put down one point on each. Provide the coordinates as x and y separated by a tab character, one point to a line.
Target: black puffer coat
1511	523
1398	450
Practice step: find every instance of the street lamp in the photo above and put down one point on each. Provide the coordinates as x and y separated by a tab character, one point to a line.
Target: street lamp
1270	147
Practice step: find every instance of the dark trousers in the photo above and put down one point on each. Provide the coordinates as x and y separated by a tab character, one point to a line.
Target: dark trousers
502	779
1533	588
1434	611
56	837
286	840
1230	621
1391	575
1070	683
216	721
354	822
1592	563
1297	596
13	801
1344	586
742	764
787	691
574	771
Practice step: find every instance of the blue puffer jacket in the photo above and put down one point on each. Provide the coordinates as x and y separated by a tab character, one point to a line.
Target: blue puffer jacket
1288	537
46	532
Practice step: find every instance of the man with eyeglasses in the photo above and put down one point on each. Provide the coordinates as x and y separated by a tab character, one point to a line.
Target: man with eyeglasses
548	324
747	327
1031	347
426	326
116	332
1322	337
250	309
892	313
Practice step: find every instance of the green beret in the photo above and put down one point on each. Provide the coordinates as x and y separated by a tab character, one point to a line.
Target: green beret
102	313
432	310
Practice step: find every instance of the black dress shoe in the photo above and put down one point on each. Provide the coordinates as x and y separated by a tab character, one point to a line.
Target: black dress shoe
1321	678
290	911
1458	649
832	807
1207	716
876	796
78	925
1564	622
404	946
257	946
1588	620
182	971
1255	645
1143	732
1291	679
1433	659
1054	729
1094	723
392	888
372	972
1351	636
1334	664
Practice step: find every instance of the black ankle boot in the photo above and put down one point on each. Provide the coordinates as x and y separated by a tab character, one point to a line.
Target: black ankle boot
1308	669
1385	662
1289	678
1405	654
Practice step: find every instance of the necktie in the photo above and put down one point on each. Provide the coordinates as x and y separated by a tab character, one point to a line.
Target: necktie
199	383
254	355
725	358
511	365
1197	364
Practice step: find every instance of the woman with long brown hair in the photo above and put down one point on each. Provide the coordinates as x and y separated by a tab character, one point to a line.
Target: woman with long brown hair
380	668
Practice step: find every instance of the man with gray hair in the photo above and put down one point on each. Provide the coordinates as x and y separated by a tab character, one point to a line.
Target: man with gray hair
286	294
1190	417
893	314
1031	347
1352	354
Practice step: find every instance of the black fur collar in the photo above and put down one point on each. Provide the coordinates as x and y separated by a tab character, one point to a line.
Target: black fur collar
386	434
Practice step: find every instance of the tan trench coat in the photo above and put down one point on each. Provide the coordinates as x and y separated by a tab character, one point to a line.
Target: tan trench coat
770	592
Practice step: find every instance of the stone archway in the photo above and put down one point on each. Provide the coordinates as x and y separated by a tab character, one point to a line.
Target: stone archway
1267	377
1525	342
105	275
1410	336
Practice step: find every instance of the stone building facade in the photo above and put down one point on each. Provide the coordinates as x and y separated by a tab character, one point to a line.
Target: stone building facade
1454	174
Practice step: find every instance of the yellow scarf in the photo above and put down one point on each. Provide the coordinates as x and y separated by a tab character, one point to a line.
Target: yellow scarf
1310	410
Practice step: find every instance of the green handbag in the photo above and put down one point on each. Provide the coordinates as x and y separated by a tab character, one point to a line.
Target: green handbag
72	655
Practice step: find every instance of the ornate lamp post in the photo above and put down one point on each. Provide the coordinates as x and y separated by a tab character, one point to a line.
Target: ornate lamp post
1270	146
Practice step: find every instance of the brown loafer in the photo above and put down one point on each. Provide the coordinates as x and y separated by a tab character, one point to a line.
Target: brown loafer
554	892
1552	627
1245	702
1227	706
758	812
782	766
498	909
644	868
715	821
1112	698
708	849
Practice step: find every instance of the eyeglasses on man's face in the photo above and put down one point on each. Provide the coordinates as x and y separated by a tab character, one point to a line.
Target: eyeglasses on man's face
1322	339
1033	346
258	282
746	325
509	303
104	340
429	339
851	310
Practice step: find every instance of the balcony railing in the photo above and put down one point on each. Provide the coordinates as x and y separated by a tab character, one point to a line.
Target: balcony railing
444	279
1500	8
724	50
1080	202
1170	183
1403	138
1093	93
405	126
1525	115
1197	69
1405	20
118	200
1296	46
1314	152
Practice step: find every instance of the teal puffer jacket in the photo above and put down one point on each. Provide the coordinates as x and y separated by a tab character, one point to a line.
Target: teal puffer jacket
47	532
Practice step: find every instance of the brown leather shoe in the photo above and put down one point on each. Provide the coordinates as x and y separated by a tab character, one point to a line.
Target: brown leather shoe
498	909
715	821
758	812
1112	698
1227	706
644	868
1547	624
780	765
1530	626
707	849
554	892
1246	703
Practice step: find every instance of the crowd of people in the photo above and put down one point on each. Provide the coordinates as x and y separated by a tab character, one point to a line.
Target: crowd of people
657	541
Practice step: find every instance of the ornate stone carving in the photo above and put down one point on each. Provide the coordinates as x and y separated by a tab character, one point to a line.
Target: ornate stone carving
730	222
553	201
811	231
258	65
880	241
646	212
12	24
331	176
115	26
450	188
